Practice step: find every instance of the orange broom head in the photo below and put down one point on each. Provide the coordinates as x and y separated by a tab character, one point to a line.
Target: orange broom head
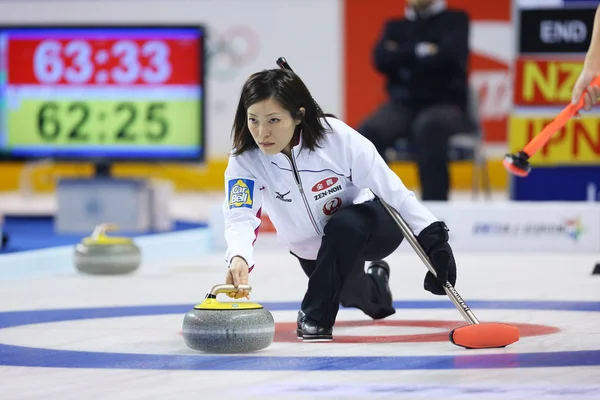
484	335
513	169
516	165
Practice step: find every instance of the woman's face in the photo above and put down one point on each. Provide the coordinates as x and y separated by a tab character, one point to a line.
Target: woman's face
271	126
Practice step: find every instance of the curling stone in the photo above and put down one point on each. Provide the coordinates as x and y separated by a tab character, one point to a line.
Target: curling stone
100	254
231	327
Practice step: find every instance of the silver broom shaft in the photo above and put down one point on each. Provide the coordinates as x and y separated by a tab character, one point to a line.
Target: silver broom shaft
458	301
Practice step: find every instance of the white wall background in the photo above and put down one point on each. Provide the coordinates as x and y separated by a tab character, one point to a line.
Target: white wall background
243	37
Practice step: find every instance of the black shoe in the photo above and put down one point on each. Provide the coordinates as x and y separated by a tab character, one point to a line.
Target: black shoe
379	266
311	330
380	272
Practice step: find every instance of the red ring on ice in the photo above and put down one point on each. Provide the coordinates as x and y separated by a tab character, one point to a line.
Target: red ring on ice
286	331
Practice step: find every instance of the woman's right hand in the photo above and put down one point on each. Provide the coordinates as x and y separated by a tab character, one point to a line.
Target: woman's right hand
582	87
237	274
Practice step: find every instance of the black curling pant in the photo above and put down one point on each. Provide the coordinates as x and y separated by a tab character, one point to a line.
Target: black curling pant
354	235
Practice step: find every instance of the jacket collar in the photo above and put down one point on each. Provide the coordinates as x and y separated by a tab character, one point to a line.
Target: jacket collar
435	8
295	150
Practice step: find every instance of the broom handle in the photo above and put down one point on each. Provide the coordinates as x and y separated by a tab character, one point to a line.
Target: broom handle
458	301
549	130
560	120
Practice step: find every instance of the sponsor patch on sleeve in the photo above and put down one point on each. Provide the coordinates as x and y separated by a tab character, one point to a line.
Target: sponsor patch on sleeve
240	193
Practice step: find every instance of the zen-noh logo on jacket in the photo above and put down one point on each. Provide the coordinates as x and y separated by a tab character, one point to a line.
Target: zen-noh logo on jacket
324	184
331	206
241	192
326	187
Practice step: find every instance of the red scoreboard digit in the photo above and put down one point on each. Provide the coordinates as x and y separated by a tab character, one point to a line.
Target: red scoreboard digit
97	61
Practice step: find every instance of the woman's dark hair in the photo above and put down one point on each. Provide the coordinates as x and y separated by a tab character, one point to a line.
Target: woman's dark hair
288	90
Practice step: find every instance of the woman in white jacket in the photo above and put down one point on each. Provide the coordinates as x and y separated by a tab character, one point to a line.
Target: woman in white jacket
320	181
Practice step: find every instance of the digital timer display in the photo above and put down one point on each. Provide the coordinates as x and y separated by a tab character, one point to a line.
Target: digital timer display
102	92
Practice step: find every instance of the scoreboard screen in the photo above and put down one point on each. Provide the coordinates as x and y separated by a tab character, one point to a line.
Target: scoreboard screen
103	92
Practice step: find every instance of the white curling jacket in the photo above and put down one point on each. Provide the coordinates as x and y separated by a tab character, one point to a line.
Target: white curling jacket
300	194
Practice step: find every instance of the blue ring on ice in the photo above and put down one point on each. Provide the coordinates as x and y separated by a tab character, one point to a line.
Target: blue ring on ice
22	356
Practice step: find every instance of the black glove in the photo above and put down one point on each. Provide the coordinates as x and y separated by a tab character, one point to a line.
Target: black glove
434	240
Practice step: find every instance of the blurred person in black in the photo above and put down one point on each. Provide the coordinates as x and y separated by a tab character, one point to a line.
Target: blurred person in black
424	58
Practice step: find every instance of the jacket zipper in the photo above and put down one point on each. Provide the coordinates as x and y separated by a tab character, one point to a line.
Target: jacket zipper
299	183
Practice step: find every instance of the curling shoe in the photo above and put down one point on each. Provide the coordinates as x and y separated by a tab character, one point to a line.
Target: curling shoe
380	273
311	331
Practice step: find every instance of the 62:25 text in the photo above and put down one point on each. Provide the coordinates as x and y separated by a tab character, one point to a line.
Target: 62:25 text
51	125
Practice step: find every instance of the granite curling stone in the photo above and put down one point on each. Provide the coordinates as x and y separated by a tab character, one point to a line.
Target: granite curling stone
230	327
100	254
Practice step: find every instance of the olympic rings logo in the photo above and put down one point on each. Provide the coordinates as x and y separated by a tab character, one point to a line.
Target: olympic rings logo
234	48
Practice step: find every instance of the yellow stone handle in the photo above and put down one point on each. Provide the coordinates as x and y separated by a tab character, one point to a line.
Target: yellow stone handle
228	289
100	230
